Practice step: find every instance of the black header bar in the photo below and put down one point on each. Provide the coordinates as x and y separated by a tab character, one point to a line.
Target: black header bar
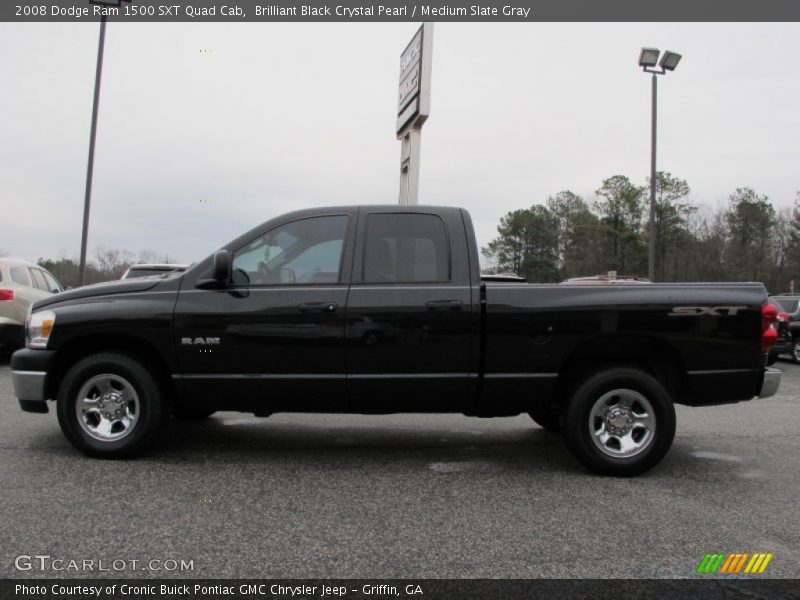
391	589
402	10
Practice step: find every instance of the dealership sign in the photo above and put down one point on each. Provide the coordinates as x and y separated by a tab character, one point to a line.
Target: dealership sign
414	92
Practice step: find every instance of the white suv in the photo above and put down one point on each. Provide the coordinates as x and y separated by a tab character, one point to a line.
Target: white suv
152	269
21	284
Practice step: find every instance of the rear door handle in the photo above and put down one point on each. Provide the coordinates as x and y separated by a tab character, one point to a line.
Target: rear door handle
327	307
444	305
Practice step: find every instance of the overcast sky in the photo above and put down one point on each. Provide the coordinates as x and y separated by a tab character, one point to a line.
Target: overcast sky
206	130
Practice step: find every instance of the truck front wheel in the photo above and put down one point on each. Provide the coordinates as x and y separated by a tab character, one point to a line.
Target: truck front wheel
110	406
620	421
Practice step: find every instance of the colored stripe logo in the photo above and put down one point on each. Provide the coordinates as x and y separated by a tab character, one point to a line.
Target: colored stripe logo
736	563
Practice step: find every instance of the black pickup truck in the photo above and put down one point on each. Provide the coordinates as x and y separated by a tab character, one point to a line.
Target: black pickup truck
382	309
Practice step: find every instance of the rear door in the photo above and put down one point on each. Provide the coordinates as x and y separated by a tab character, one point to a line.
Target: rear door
408	322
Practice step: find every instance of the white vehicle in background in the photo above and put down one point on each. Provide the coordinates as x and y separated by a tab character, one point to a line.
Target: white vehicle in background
21	284
148	270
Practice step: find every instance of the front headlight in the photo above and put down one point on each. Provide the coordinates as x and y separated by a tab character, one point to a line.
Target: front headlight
38	329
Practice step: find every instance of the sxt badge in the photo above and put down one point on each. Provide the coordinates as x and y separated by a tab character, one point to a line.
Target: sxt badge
714	311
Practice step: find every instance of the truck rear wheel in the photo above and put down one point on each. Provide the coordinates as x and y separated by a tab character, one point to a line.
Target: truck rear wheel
110	406
620	421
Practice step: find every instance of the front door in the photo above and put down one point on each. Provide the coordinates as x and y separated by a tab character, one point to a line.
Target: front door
273	340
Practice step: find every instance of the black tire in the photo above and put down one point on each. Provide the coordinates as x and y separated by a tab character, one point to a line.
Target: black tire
187	413
607	393
546	418
796	351
138	396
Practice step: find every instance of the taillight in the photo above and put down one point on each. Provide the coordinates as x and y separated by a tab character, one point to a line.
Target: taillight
769	335
6	295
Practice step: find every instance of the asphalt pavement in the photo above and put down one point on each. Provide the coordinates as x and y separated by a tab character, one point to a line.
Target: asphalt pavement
415	496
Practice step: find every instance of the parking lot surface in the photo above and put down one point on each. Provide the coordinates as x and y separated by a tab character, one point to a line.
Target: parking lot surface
319	496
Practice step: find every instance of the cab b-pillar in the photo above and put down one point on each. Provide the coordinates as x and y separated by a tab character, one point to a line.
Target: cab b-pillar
413	108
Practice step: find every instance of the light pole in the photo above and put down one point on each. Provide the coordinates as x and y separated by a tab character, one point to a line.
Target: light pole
648	58
93	133
90	163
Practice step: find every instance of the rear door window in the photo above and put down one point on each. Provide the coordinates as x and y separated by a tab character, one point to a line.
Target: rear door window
38	280
406	248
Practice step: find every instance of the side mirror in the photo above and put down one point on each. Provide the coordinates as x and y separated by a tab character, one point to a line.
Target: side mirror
221	271
222	268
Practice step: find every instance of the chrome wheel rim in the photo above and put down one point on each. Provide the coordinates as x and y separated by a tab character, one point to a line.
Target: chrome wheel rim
622	423
107	407
797	350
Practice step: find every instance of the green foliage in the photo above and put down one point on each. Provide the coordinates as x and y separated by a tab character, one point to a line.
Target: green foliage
527	244
672	216
747	240
750	219
578	235
620	207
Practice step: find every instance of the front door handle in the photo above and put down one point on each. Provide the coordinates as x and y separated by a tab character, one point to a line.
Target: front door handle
327	307
444	305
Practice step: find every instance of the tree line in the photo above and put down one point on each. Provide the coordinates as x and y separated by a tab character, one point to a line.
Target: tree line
570	236
109	263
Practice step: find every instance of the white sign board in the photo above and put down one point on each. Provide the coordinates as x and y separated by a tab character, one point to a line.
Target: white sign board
414	91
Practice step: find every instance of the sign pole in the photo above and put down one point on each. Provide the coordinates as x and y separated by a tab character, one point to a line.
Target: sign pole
411	140
413	109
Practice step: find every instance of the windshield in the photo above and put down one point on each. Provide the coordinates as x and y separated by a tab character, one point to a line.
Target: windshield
788	304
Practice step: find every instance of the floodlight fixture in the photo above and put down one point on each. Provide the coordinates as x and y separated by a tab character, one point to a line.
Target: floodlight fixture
670	60
649	57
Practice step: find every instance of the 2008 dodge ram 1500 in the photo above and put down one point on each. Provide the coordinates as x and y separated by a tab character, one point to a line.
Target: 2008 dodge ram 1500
381	309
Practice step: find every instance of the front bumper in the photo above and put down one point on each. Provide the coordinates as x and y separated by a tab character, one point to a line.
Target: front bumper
772	381
29	385
29	374
29	388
